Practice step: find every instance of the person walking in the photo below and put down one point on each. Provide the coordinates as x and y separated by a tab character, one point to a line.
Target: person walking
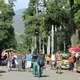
10	56
41	63
53	60
59	61
19	58
14	60
71	63
28	59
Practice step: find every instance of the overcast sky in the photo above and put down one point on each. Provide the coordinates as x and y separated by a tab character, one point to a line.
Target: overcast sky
21	4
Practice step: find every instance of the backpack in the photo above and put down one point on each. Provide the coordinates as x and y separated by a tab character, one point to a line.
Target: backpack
41	60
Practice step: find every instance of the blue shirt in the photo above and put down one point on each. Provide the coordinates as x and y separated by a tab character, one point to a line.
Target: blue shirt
29	57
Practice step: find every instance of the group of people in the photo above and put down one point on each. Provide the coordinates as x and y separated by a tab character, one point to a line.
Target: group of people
24	61
19	61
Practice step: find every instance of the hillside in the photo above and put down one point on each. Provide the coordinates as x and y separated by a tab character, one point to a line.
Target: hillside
18	23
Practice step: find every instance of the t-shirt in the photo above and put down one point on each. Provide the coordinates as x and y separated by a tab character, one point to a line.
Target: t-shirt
52	57
19	56
29	57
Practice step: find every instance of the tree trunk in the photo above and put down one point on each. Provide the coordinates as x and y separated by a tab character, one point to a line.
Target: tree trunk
74	37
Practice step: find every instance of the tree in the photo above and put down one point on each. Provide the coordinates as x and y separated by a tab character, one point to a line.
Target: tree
33	21
11	2
77	13
59	13
74	5
7	36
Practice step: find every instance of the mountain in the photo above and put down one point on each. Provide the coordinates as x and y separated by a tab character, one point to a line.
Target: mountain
19	11
18	23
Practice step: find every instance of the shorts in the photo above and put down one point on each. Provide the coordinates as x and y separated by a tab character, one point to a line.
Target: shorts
52	62
28	64
59	63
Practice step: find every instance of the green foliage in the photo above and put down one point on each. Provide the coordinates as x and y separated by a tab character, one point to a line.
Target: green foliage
52	8
78	43
60	13
11	2
7	37
77	18
77	13
34	22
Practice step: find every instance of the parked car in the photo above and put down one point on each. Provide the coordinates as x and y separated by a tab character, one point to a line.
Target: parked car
65	64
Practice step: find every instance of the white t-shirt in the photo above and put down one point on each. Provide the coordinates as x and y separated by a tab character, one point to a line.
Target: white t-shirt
52	57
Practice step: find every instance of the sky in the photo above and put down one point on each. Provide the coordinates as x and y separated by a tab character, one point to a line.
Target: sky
20	4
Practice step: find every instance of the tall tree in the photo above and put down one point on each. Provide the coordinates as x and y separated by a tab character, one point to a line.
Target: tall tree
7	36
33	21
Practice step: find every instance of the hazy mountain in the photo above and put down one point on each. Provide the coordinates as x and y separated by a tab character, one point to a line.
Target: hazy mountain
18	23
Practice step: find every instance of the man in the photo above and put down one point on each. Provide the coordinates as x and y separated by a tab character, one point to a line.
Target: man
41	62
71	63
10	56
59	61
19	58
28	58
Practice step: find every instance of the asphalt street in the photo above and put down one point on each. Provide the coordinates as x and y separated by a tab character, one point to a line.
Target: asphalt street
48	74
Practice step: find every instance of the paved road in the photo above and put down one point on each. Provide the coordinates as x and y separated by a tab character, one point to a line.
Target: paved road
47	75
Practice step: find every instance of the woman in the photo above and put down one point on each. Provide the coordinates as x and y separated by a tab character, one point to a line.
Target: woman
53	60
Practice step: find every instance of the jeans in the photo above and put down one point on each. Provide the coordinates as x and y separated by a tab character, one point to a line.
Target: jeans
39	71
71	66
9	65
19	64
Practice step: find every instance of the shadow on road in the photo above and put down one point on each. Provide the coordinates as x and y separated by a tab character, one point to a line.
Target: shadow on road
1	71
45	76
59	72
18	70
77	71
14	70
0	75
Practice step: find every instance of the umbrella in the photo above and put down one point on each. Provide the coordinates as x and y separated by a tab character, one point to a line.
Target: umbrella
74	49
